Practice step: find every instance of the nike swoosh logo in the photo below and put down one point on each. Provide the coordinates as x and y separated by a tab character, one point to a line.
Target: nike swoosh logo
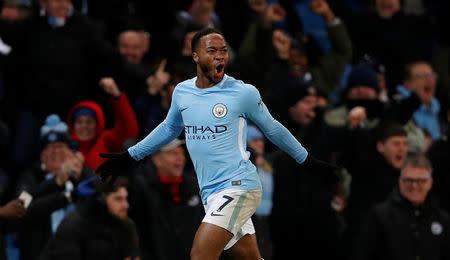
215	215
183	109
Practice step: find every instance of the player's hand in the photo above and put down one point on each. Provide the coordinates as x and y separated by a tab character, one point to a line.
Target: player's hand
118	164
330	173
259	6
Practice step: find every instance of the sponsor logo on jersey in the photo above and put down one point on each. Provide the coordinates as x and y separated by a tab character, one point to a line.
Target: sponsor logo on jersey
220	110
200	132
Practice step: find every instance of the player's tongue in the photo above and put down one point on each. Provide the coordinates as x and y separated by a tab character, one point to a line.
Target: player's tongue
219	71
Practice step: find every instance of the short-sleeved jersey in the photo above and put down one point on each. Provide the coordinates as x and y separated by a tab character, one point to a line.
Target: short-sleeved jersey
215	124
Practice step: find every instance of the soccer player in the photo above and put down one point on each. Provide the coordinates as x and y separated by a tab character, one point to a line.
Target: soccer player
213	109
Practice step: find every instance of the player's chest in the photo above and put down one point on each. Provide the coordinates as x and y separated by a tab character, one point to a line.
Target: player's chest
213	108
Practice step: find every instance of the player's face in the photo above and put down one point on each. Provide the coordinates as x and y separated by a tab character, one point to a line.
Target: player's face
394	150
212	57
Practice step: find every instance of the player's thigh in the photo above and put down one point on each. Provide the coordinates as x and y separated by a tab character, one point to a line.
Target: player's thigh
209	242
246	248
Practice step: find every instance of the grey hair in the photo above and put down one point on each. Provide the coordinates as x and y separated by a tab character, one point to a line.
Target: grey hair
418	161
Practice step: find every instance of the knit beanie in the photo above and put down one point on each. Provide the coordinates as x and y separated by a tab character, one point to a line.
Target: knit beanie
54	130
363	75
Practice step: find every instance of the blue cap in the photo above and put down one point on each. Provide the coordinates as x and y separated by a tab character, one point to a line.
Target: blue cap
253	132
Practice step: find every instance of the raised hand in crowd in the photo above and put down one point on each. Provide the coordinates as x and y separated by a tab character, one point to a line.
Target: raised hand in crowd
321	7
282	44
71	168
160	78
356	116
13	209
110	87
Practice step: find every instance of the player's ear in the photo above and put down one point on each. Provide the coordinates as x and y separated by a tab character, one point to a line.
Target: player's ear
195	57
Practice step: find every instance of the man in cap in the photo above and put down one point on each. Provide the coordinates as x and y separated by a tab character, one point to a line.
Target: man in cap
165	204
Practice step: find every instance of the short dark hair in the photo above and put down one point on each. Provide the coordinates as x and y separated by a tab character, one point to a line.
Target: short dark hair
200	34
113	185
388	130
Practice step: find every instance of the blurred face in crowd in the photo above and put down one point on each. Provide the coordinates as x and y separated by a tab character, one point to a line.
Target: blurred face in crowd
303	111
132	45
422	79
257	144
394	149
298	62
117	203
415	183
170	163
387	8
57	8
211	56
85	127
54	155
362	92
202	11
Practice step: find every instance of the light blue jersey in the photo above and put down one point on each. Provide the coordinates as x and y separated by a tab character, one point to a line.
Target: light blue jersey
215	124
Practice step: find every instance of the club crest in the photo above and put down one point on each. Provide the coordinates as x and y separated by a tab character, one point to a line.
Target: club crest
220	110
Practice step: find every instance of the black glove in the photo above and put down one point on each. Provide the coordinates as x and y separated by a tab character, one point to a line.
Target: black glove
118	164
329	172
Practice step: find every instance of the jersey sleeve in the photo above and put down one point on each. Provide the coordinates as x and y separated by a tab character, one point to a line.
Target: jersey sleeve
165	132
256	110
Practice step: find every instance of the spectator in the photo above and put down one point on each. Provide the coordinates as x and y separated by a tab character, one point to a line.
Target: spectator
165	204
375	168
99	228
14	209
69	55
55	176
151	108
387	20
438	154
324	74
408	224
421	79
87	125
309	196
256	143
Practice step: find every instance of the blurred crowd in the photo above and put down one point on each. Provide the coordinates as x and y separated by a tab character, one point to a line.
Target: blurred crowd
363	84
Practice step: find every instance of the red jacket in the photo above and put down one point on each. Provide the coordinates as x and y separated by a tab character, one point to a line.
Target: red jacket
106	140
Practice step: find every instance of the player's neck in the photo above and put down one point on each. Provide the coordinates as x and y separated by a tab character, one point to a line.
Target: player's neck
205	82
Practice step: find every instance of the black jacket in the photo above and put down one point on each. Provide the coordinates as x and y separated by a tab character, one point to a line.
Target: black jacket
166	229
91	232
395	229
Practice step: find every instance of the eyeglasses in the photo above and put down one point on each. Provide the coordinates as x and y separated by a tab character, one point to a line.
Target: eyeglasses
418	181
432	76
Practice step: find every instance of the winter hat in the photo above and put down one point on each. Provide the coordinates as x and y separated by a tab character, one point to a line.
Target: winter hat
54	130
83	111
298	91
363	75
253	133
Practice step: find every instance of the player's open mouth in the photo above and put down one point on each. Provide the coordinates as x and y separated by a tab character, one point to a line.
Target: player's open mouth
219	70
